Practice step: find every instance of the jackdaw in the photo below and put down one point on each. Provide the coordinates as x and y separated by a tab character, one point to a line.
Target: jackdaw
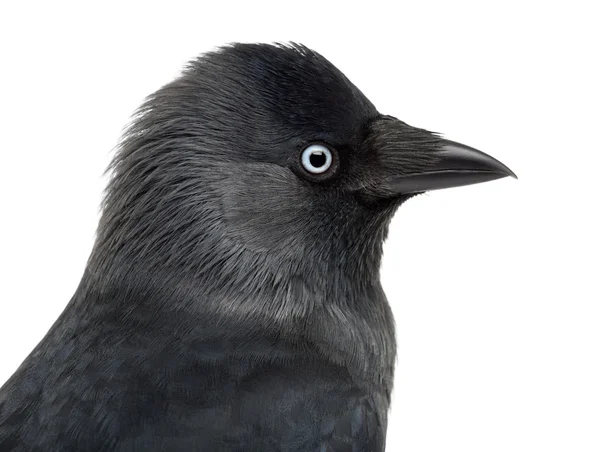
232	299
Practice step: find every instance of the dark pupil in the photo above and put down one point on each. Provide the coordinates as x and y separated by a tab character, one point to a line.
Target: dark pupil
318	159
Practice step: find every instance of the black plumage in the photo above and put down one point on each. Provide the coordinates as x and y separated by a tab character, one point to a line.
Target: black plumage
232	300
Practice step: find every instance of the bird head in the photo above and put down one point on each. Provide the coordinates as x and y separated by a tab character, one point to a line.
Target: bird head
262	167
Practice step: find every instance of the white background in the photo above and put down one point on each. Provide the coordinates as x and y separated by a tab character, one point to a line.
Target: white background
494	286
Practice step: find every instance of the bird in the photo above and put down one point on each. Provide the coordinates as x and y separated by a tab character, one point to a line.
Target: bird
232	298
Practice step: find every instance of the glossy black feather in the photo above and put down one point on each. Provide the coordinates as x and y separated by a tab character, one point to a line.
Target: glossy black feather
159	388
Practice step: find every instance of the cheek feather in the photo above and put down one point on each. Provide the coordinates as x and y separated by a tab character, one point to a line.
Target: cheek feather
266	207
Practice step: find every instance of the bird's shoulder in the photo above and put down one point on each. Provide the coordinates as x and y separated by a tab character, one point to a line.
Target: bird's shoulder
297	407
144	392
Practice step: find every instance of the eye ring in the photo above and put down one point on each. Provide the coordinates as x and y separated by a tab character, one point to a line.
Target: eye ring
316	158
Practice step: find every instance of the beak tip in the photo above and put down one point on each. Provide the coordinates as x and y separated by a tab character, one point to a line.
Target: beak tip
509	173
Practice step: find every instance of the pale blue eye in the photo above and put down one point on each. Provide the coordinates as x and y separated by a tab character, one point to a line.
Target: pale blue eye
316	158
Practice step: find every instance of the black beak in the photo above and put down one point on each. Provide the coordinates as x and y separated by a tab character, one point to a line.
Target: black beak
414	160
454	165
